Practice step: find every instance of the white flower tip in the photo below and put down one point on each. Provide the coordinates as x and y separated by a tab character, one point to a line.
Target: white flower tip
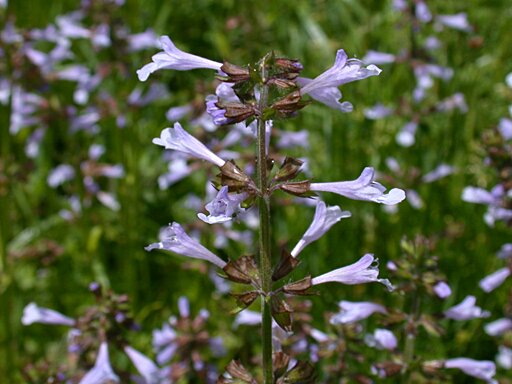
395	196
374	69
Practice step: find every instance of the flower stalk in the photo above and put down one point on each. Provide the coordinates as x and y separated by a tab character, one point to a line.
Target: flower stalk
264	262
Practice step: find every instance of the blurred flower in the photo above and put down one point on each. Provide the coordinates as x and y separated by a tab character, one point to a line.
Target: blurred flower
376	112
376	57
173	58
504	357
494	280
174	239
406	136
505	128
382	339
34	314
324	87
144	365
102	372
457	21
180	140
466	310
363	188
325	217
422	12
350	312
362	271
442	290
497	327
484	370
442	170
505	251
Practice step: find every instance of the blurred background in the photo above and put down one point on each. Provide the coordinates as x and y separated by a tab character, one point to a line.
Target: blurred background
83	190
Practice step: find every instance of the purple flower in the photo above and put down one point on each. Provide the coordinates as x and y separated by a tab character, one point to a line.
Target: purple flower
350	312
165	343
324	87
176	113
180	140
505	251
422	12
376	112
505	128
494	280
217	114
223	207
325	217
481	196
457	100
184	307
178	169
289	139
382	339
176	240
406	136
376	57
102	372
365	270
173	58
142	40
247	317
442	290
363	188
484	370
457	21
34	314
466	310
442	170
144	365
504	357
498	327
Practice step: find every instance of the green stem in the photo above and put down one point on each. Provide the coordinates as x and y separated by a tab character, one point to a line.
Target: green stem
265	265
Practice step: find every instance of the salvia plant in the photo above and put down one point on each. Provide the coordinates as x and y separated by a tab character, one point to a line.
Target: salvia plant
258	95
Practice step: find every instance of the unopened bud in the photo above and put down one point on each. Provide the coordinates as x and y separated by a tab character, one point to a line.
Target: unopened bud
235	73
299	188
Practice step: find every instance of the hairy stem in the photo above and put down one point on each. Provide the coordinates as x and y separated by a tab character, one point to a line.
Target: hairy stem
265	264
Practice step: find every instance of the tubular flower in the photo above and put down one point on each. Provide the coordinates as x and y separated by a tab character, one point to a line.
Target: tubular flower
176	240
180	140
144	365
174	58
466	310
484	370
325	217
362	271
34	314
363	188
350	312
324	87
494	280
102	372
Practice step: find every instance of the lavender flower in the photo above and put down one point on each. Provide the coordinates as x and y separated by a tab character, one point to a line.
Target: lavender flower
457	21
363	188
466	310
362	271
165	343
498	327
504	357
350	312
442	290
406	136
376	112
180	140
176	240
494	280
102	372
144	365
376	57
422	12
223	207
442	170
34	314
324	87
325	217
505	251
382	339
173	58
484	370
505	128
